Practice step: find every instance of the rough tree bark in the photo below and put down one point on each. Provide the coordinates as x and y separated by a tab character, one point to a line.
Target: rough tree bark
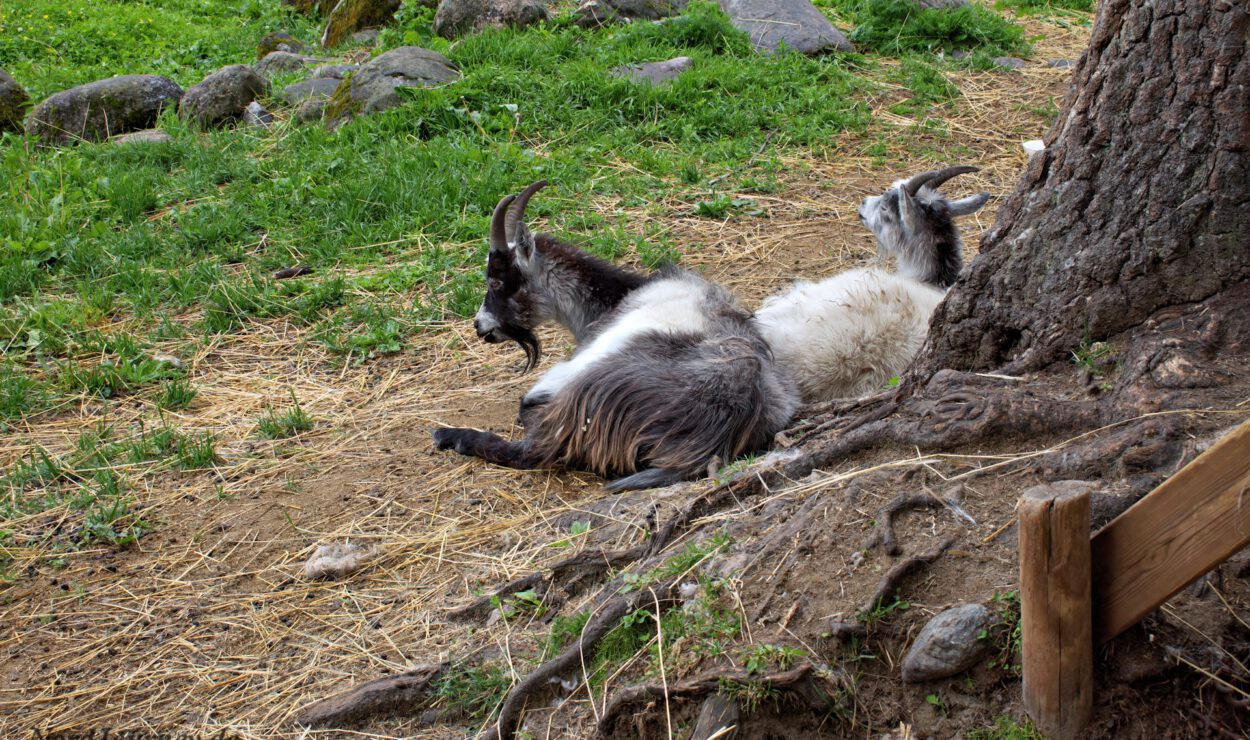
1141	199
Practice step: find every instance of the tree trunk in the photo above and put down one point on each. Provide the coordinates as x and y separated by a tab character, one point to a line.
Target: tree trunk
1141	199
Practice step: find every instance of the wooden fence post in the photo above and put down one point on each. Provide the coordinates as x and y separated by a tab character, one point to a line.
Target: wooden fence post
1057	629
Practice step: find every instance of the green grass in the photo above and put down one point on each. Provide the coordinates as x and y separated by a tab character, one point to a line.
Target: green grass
1006	727
900	27
475	691
282	424
390	209
1042	6
49	45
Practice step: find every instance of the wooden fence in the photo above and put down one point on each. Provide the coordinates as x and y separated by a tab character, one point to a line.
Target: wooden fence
1078	592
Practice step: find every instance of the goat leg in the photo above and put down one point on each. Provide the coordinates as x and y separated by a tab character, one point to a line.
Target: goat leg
487	446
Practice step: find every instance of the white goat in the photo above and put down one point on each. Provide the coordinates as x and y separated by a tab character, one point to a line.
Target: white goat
849	334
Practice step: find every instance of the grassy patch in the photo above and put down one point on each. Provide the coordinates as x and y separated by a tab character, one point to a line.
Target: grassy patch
1045	6
49	45
899	27
474	691
1005	633
282	424
1006	727
883	610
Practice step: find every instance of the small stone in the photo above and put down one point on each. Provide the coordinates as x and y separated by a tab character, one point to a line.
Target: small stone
1033	146
283	61
256	116
334	71
223	96
459	17
149	135
941	4
163	357
1009	62
366	36
337	559
278	41
949	644
795	23
311	110
1061	63
318	87
655	73
596	13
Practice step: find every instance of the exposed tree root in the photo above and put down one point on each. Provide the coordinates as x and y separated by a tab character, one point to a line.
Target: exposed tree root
570	574
403	693
888	585
538	683
797	681
883	533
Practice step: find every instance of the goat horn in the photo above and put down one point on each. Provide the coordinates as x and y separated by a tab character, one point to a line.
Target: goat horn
935	178
517	212
498	238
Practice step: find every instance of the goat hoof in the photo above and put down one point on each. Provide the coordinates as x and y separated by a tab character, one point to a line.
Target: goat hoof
446	438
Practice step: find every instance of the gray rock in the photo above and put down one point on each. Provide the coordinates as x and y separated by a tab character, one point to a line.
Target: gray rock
655	73
334	71
373	85
595	13
1061	63
103	108
278	41
311	110
317	87
146	136
797	23
950	643
13	102
1009	62
222	96
941	4
350	16
458	17
256	116
366	36
283	61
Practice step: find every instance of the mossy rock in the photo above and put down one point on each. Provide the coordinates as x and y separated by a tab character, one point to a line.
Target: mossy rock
278	41
98	110
349	16
13	103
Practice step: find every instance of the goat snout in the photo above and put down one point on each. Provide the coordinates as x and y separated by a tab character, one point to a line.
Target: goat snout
487	327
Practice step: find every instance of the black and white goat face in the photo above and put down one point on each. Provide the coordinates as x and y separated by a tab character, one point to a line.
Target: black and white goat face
509	310
915	223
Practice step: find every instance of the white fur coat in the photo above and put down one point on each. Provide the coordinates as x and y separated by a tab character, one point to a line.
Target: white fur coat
849	334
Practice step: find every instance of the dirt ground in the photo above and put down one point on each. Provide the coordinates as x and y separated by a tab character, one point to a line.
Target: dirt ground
208	624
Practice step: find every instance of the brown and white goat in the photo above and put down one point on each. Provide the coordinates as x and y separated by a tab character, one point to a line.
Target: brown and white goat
670	373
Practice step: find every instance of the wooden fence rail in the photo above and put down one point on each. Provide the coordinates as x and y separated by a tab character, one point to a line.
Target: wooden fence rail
1171	537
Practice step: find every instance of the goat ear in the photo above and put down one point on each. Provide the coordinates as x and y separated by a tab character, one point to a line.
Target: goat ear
971	204
524	242
910	212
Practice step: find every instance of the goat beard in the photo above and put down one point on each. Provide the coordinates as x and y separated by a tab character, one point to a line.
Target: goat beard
527	341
